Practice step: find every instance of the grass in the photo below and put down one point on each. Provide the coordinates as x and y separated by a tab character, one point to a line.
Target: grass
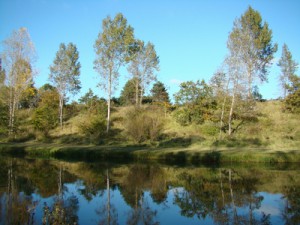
275	137
144	153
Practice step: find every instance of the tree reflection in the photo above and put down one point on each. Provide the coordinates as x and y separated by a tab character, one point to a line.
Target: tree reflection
138	179
291	191
220	198
64	209
108	212
18	208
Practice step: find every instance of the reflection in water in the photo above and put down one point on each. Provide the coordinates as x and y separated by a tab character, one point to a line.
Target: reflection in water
54	192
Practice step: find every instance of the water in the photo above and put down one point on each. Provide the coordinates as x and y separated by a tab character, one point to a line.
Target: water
34	191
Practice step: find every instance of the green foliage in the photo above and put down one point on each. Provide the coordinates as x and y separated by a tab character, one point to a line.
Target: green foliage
46	114
65	70
257	96
159	93
197	103
292	102
64	74
129	92
142	67
29	97
288	68
3	119
93	104
144	124
250	45
113	50
94	129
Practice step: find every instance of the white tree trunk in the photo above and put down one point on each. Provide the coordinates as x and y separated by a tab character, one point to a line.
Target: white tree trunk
61	105
108	102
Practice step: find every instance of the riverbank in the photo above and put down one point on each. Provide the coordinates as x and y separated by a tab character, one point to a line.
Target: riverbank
191	154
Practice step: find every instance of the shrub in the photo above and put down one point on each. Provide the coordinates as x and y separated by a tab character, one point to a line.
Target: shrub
93	129
45	119
144	124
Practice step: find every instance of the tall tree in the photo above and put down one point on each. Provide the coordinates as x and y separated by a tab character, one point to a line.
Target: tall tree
64	74
18	56
143	65
159	93
256	50
288	68
112	47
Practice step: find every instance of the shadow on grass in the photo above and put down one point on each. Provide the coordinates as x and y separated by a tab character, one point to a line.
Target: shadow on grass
237	143
176	142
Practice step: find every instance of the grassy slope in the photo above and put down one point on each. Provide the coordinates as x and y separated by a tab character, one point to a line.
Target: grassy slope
274	138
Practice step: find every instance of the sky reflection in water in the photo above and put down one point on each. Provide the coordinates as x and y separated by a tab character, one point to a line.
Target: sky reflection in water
47	192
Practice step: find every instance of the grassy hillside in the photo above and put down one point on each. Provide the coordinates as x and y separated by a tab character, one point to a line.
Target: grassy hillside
273	137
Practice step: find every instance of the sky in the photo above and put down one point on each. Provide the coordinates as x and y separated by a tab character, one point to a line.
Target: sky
189	35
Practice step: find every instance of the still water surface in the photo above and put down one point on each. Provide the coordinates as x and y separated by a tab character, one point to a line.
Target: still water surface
34	191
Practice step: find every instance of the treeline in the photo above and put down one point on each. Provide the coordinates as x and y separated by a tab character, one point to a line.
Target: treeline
228	100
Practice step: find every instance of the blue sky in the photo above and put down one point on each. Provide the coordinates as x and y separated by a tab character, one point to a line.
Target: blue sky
189	35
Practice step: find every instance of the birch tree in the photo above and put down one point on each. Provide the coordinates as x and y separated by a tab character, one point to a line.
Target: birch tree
142	68
18	57
256	50
112	49
288	68
64	74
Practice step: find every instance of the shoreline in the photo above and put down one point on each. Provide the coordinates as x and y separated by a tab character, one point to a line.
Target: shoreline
192	154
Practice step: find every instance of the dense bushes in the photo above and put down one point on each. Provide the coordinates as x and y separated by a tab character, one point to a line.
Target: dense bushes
93	128
144	124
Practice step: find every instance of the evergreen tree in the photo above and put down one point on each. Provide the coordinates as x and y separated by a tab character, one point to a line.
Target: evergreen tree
159	93
128	94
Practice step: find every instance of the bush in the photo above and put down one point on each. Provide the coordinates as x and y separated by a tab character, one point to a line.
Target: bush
45	119
210	129
93	129
144	124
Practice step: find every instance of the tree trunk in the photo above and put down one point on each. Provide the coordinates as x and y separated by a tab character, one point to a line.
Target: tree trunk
136	93
11	111
108	102
249	74
141	96
61	105
230	115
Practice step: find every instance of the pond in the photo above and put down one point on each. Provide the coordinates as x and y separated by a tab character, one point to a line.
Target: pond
35	191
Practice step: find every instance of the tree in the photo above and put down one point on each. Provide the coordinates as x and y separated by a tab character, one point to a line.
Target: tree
64	74
89	100
197	104
2	74
18	56
256	50
112	47
160	93
288	68
45	115
142	67
129	92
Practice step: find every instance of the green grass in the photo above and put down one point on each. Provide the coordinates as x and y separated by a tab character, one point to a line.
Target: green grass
144	153
274	137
